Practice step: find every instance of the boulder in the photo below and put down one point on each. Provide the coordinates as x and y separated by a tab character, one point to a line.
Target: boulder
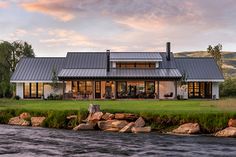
37	121
84	126
25	115
18	121
141	129
72	117
95	116
188	128
104	125
139	122
232	123
107	116
119	116
130	117
119	124
227	132
112	129
127	128
125	116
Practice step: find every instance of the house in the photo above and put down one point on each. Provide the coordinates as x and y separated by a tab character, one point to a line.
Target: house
119	75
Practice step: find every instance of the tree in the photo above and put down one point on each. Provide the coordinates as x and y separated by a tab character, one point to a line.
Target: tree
54	79
10	55
216	53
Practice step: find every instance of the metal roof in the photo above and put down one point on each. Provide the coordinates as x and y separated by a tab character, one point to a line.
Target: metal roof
85	60
135	56
82	73
201	68
145	73
36	69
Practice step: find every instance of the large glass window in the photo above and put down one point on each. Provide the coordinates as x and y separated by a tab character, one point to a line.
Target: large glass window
150	89
26	90
199	89
33	90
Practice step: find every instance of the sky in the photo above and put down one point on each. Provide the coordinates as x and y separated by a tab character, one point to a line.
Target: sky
54	27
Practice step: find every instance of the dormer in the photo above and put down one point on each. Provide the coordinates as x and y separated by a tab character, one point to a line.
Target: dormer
136	60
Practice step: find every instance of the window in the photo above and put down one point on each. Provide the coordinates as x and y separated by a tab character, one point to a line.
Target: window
136	65
199	89
33	90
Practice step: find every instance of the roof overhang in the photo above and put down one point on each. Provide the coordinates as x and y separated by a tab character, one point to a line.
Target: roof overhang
30	81
205	80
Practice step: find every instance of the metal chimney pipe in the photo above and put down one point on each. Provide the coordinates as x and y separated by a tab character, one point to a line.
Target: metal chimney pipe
168	50
108	60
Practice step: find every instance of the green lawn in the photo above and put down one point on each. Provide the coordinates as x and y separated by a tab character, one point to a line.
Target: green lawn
135	106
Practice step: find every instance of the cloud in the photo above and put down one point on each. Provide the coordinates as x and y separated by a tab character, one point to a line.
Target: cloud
4	4
51	8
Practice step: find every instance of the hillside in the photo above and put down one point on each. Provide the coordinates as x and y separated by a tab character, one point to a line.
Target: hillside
229	60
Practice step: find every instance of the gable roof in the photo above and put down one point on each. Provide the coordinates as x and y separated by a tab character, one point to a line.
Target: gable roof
199	68
37	69
85	60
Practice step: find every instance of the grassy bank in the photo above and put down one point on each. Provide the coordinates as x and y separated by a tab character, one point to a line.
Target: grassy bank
161	115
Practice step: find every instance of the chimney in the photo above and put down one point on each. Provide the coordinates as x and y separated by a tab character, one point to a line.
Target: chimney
168	50
108	60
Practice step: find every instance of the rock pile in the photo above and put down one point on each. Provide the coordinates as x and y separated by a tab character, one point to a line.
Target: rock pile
187	128
25	119
118	122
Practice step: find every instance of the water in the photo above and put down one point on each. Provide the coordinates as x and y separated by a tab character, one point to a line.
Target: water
27	141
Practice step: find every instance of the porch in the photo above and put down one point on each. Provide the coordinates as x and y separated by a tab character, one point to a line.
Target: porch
119	89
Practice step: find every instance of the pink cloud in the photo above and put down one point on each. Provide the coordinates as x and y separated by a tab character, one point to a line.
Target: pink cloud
49	8
4	4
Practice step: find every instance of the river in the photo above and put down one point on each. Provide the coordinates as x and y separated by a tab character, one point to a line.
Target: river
27	141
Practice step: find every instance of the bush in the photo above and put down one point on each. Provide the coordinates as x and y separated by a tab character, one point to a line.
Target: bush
228	88
55	97
17	97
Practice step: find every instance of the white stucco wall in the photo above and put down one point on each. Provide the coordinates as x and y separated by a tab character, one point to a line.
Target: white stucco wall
19	90
182	90
49	90
215	90
166	87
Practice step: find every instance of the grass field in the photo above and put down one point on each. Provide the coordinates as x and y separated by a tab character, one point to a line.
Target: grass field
135	106
161	115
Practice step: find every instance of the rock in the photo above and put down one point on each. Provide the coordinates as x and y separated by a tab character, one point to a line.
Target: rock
18	121
37	121
125	116
104	125
107	116
119	124
232	123
112	129
25	115
119	116
140	122
130	116
93	108
141	129
83	126
127	128
227	132
95	116
72	117
188	128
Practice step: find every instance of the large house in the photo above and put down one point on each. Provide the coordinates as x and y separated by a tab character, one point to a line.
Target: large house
118	75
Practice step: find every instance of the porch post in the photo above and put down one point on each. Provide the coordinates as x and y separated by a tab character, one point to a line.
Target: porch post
158	88
94	89
175	89
63	86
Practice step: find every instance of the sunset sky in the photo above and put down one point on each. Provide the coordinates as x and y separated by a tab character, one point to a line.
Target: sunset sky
54	27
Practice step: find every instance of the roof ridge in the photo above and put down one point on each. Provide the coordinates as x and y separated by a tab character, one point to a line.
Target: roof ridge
193	57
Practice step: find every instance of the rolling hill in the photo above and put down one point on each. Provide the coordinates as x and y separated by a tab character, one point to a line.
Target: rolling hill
229	60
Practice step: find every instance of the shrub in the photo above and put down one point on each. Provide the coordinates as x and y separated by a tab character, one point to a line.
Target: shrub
228	88
17	97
